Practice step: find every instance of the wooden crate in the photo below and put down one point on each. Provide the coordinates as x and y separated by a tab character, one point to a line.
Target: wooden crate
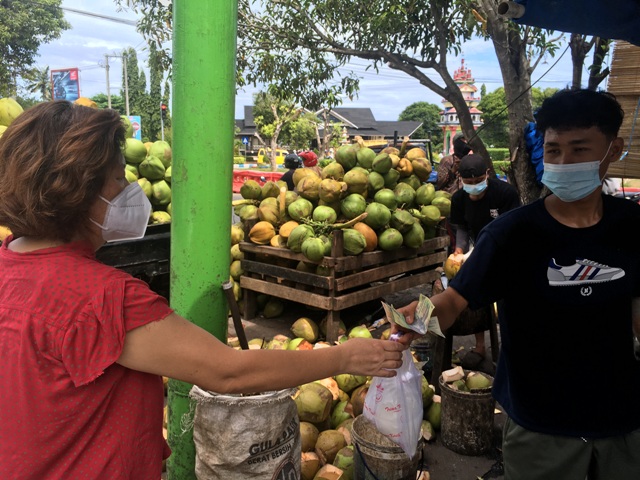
352	280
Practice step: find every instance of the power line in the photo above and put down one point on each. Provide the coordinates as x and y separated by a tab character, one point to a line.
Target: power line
85	13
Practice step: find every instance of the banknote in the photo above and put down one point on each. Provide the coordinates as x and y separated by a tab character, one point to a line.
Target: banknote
423	321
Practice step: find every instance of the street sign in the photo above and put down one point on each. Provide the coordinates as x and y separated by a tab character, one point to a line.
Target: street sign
245	140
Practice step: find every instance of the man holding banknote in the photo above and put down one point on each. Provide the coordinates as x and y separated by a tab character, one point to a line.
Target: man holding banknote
569	281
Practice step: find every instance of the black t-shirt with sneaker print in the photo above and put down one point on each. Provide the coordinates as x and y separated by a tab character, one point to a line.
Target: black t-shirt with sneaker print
567	365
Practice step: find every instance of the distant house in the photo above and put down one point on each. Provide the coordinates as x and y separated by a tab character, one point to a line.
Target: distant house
354	121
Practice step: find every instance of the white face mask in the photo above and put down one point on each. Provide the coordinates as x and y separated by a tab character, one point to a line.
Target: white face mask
127	215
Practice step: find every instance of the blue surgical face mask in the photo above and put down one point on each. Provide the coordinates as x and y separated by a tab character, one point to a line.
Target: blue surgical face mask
476	189
573	181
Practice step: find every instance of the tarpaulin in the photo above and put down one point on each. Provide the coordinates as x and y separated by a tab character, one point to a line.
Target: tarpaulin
613	19
240	176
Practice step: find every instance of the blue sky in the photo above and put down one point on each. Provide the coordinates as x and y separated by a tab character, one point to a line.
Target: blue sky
387	94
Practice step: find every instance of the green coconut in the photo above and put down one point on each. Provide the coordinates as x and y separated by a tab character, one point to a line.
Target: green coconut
357	181
305	328
386	197
346	155
334	171
299	209
425	194
405	195
345	461
375	182
325	214
348	382
313	402
391	178
152	168
297	237
161	150
402	220
330	190
251	190
273	308
382	163
309	187
412	180
353	241
378	215
270	189
135	152
443	204
389	240
414	237
365	157
313	248
161	193
353	205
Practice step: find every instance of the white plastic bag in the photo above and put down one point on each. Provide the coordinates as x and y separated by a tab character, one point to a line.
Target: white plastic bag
395	405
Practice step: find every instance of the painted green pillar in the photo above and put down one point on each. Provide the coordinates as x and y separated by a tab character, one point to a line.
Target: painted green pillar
204	48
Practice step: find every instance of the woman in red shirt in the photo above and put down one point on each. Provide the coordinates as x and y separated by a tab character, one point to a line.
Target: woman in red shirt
83	345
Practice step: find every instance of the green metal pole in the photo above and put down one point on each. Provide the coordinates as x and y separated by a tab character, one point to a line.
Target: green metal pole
204	48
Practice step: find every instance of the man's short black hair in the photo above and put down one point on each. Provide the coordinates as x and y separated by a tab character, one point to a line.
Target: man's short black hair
568	109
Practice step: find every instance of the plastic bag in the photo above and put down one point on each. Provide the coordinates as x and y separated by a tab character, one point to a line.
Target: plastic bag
395	405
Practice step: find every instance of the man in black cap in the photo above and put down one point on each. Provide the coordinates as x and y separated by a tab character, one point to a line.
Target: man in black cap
480	200
292	162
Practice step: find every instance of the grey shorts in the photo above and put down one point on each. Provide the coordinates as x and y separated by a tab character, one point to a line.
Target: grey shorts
537	456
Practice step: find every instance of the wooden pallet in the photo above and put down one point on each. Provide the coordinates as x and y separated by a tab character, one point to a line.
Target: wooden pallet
352	280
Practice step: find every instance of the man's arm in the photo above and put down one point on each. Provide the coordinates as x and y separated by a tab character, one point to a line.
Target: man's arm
635	315
462	239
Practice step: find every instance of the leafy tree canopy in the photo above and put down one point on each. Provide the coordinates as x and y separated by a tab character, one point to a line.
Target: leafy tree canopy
495	129
429	115
23	28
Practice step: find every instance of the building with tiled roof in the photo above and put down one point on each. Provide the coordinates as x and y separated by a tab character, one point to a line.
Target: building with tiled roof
449	121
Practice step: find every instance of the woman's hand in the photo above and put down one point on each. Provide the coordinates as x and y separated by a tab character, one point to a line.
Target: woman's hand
366	356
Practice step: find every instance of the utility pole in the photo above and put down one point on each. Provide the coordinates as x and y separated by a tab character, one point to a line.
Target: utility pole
106	67
126	83
126	79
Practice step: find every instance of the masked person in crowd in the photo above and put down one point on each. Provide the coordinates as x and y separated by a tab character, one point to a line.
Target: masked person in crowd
481	200
569	281
292	162
83	346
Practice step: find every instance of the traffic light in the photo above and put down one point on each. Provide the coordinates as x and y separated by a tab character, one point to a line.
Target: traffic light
163	109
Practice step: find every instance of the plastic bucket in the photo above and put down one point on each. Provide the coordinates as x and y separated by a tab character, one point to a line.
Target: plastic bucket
378	458
467	419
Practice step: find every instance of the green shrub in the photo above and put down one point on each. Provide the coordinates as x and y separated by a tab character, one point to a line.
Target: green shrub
498	154
501	166
237	160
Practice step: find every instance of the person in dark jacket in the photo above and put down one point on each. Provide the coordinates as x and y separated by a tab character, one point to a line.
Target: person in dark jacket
480	200
292	162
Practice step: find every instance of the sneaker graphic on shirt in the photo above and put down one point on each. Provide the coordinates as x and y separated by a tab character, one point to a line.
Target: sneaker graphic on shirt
582	272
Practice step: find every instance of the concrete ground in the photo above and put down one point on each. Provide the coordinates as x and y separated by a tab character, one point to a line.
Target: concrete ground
441	462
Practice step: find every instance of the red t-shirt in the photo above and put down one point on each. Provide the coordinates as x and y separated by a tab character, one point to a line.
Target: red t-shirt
67	410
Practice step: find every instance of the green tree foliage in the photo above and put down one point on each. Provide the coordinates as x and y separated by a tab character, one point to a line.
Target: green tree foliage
271	113
495	129
24	26
117	102
299	133
429	115
307	51
38	80
143	102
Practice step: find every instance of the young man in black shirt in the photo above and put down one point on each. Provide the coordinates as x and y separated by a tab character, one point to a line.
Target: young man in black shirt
567	269
480	200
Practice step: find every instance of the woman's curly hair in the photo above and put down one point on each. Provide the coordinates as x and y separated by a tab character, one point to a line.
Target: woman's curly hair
54	160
